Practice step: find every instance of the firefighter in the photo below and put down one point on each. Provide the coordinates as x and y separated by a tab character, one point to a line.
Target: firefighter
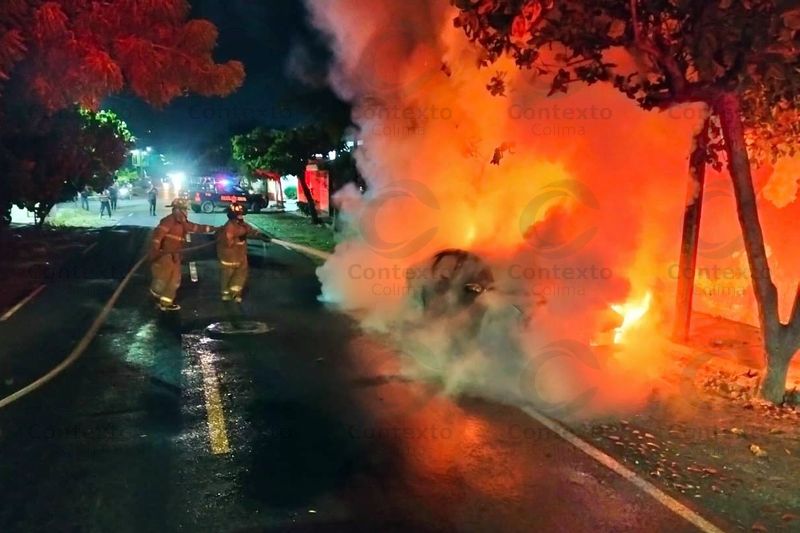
166	250
232	253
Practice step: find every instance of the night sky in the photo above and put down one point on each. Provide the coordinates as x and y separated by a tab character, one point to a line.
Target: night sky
268	37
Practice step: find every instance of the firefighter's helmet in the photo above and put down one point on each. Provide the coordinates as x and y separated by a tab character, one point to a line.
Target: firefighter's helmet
180	203
236	211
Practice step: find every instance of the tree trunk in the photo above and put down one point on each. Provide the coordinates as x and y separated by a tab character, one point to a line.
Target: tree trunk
779	345
312	206
687	266
773	386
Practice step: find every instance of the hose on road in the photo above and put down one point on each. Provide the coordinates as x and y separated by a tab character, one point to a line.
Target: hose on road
78	350
92	332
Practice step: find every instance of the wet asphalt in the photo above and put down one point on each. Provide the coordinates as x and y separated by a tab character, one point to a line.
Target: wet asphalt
324	434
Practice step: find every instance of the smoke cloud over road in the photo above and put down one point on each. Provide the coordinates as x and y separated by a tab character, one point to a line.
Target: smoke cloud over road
574	201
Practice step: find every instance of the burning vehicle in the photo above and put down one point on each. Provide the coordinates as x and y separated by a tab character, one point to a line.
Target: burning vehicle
460	287
470	330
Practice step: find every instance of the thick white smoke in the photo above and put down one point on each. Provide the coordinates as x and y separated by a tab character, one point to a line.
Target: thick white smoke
583	210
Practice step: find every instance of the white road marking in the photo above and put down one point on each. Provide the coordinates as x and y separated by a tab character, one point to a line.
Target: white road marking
120	220
90	248
612	464
81	346
22	303
84	343
193	271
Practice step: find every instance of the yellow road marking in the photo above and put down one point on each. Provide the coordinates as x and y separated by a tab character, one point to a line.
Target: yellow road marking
21	304
217	432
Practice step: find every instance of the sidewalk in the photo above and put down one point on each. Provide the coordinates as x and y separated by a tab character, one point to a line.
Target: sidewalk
735	349
707	438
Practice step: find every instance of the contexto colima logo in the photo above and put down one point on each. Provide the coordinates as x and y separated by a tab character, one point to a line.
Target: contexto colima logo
396	202
559	238
553	379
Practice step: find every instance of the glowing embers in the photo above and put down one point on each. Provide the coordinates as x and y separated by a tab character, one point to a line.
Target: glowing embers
632	313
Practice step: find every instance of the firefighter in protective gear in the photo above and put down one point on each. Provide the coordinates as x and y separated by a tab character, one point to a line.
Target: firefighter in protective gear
166	253
232	253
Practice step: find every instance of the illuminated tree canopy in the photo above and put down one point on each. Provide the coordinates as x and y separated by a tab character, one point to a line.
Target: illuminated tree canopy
80	51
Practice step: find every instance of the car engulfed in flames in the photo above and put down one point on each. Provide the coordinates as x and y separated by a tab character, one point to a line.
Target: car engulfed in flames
460	288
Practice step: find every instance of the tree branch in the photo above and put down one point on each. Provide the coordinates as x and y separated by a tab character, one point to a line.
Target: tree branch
693	92
665	59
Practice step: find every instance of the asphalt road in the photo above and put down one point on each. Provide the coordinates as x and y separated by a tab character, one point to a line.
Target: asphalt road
320	433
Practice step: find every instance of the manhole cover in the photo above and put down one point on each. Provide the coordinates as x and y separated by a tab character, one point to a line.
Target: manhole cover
238	328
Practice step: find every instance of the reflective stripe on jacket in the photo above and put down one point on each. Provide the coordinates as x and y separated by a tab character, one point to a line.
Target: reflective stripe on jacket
232	242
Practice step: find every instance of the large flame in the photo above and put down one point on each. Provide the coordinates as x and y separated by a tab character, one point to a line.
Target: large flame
583	211
632	313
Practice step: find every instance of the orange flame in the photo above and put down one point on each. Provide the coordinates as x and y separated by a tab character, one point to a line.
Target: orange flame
632	314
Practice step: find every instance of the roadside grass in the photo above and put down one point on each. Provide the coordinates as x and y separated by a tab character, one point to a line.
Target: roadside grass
68	216
296	229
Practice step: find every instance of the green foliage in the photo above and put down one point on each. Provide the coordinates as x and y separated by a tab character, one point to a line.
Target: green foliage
281	151
284	152
292	228
127	176
57	55
290	192
50	157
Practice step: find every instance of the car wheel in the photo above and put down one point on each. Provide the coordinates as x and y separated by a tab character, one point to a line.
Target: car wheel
255	207
196	209
207	207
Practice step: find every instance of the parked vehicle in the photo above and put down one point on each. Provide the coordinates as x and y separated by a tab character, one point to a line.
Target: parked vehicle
209	194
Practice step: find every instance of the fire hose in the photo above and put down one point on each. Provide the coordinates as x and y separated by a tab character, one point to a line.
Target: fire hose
93	330
302	249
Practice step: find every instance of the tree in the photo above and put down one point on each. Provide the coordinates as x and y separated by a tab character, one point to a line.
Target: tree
739	57
57	155
55	55
285	152
81	51
126	176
